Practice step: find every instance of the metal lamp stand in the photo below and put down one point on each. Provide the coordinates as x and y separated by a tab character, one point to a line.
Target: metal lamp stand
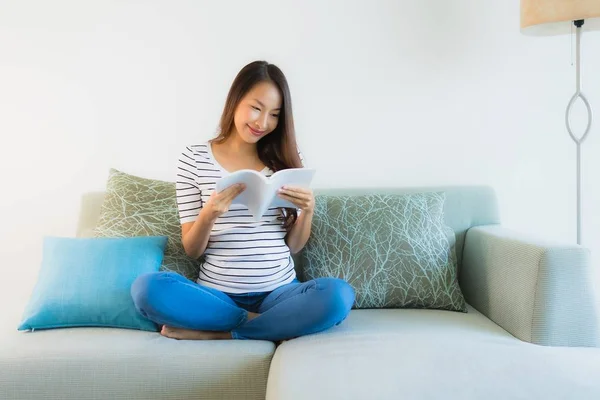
579	140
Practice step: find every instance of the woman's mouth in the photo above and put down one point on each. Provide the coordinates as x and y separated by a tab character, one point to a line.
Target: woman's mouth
255	132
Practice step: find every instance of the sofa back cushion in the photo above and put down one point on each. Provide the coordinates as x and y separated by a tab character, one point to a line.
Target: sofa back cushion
395	250
464	207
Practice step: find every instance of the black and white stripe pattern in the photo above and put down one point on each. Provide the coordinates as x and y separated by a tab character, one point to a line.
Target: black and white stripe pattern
242	255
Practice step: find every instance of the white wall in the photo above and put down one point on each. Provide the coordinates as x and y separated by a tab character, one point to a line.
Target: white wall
386	93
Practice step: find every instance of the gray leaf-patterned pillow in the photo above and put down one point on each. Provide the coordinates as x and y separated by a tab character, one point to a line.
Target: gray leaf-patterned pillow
135	206
395	250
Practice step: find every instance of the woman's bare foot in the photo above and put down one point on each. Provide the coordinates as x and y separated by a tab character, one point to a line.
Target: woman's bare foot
189	334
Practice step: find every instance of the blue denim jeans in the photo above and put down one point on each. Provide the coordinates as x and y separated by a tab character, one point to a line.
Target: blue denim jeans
292	310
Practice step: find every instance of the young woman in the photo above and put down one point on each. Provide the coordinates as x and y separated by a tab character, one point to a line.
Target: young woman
247	286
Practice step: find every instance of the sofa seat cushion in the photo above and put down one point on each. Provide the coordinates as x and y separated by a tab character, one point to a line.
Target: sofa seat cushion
108	363
428	354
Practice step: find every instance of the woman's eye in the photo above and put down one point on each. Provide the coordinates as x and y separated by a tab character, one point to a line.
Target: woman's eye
275	115
256	108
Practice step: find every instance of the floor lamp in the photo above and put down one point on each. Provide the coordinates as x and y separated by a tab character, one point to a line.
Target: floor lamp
552	17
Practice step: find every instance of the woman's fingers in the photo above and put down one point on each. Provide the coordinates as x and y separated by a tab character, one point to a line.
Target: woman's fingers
297	193
300	197
296	201
232	191
296	189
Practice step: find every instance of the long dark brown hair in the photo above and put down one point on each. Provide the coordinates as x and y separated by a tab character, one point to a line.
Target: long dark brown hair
278	150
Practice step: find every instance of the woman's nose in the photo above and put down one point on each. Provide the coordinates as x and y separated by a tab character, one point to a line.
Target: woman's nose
262	121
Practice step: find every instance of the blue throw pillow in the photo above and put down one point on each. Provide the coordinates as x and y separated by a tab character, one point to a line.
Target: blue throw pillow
87	281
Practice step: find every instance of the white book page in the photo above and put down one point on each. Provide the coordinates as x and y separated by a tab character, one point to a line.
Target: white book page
253	196
301	177
261	192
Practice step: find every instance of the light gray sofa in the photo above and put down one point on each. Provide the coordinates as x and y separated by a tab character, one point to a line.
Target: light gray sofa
532	332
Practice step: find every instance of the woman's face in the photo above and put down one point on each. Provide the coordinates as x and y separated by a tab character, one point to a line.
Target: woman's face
257	114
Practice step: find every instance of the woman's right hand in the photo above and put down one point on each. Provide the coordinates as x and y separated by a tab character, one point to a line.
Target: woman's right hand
218	203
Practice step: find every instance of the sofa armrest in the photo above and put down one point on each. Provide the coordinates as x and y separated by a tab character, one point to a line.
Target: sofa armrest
541	293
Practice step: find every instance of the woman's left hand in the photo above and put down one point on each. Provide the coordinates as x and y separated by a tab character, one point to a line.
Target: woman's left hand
302	198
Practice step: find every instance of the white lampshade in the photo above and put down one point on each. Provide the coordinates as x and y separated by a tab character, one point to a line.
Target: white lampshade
555	17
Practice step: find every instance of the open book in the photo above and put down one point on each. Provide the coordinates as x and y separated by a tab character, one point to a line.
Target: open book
261	191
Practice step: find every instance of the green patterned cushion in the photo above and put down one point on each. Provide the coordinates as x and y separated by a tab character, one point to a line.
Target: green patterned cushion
135	206
395	250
